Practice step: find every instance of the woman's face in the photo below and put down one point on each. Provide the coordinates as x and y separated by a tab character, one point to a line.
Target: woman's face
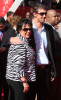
26	31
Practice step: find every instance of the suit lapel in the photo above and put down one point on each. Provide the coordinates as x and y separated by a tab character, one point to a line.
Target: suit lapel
48	37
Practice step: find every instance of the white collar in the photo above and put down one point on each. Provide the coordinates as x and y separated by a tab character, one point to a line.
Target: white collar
36	28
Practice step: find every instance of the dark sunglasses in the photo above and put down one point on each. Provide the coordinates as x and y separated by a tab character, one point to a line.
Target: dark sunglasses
26	29
42	13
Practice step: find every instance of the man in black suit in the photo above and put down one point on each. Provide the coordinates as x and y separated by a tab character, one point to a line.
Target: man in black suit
52	20
44	44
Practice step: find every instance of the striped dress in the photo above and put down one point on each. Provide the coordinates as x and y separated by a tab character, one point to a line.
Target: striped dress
21	61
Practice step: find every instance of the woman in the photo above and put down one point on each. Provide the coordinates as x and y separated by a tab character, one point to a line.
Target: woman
20	71
14	21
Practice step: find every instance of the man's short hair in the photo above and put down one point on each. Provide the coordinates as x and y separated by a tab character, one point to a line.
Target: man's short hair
2	20
9	13
39	6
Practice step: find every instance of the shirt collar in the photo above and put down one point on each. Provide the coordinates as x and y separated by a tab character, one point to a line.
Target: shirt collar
34	28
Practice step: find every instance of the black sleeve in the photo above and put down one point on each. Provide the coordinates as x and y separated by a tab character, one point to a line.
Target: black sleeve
6	37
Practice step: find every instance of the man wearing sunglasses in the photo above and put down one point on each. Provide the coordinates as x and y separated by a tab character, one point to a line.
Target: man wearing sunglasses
44	44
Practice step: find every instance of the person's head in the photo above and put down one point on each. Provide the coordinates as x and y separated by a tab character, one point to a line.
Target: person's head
59	17
15	20
52	17
10	15
2	23
24	27
28	14
31	10
39	13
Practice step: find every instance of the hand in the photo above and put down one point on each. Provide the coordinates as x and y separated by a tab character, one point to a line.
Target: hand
15	40
52	79
26	87
25	84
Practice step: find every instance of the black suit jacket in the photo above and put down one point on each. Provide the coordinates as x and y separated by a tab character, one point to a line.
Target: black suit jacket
7	34
51	47
57	47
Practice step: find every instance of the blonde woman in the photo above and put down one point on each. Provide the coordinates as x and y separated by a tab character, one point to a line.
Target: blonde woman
14	21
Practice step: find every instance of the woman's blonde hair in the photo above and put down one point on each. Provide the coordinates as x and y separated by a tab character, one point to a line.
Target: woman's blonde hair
15	20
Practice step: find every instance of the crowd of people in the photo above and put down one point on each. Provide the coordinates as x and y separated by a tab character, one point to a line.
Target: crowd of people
50	3
30	55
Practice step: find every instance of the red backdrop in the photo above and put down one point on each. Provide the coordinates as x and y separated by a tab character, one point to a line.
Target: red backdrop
22	10
4	6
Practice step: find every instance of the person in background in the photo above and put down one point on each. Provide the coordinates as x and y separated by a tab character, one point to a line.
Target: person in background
28	15
52	20
52	17
59	25
20	71
10	15
14	21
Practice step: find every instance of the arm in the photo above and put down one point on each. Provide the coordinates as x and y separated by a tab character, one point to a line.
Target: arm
25	84
19	60
15	40
6	37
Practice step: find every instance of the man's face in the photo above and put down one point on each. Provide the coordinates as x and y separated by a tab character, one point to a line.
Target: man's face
41	15
2	26
27	15
54	18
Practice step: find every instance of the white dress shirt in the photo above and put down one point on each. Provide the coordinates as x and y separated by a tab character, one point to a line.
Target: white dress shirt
41	46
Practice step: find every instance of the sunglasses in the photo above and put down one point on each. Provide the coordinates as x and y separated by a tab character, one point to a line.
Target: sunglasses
42	13
26	29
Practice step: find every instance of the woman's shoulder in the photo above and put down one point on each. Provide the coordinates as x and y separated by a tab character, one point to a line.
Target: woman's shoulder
17	46
17	49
